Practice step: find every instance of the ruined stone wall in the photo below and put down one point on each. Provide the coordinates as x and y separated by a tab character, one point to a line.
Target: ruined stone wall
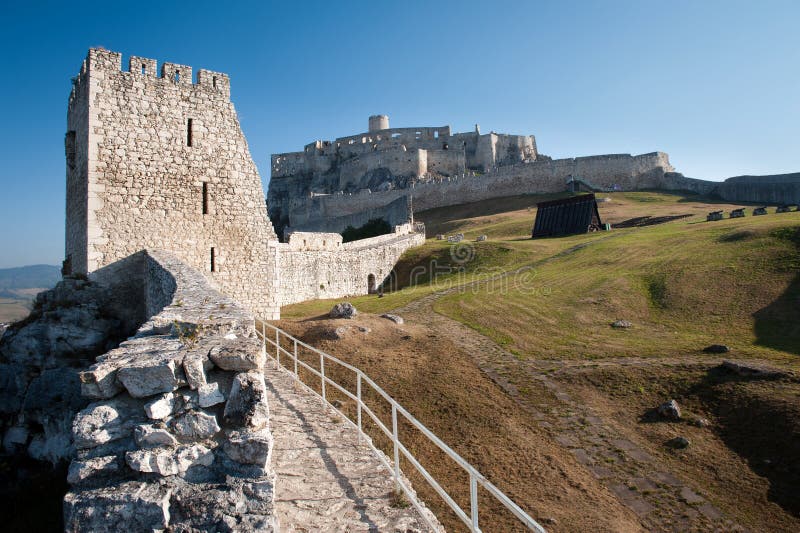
177	435
399	161
620	171
345	271
312	216
76	149
446	162
777	189
167	167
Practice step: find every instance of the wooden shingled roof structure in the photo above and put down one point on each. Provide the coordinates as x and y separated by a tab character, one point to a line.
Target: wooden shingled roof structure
567	216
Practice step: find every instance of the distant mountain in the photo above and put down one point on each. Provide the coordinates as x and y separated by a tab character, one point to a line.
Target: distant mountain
29	277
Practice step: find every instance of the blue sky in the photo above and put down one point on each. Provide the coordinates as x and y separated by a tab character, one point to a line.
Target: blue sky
716	84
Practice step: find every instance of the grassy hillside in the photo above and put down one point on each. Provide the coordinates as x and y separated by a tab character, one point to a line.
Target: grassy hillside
683	285
582	393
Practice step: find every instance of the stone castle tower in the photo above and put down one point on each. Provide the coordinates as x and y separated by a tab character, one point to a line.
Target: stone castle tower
159	161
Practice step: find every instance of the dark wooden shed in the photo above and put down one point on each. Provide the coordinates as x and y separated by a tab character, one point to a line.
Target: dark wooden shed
567	216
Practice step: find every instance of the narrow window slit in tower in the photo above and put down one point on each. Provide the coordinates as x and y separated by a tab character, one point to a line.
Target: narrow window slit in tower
144	69
189	132
214	81
213	265
177	76
205	198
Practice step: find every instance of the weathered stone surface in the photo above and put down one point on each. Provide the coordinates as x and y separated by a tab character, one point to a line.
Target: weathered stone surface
343	310
239	354
247	403
150	436
195	365
621	324
81	470
13	383
168	461
195	425
678	443
161	407
394	318
104	422
132	506
15	439
249	447
209	395
670	410
158	372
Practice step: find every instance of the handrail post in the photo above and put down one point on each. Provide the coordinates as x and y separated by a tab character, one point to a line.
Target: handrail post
358	395
295	358
473	501
396	448
322	371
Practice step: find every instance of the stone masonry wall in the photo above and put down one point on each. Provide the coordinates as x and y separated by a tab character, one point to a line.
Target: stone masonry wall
312	216
621	171
177	436
167	167
344	270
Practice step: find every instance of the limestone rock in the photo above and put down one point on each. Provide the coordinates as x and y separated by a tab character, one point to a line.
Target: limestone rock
249	447
210	394
147	376
103	422
15	439
670	410
679	443
195	366
82	470
239	355
394	318
195	425
161	407
247	403
150	436
168	461
621	324
132	506
13	383
343	310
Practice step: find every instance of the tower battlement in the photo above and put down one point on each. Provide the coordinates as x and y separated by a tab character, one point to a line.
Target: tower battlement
146	69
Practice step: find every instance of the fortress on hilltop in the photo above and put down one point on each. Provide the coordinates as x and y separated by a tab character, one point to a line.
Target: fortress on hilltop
383	172
157	160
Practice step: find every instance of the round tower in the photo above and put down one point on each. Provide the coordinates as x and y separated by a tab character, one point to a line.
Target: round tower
378	122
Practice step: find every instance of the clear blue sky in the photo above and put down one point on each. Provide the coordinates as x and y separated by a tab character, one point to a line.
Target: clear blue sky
716	84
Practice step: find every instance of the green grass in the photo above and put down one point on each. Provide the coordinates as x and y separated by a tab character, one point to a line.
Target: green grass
684	285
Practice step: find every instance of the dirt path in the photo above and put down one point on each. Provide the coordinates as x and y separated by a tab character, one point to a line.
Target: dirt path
663	501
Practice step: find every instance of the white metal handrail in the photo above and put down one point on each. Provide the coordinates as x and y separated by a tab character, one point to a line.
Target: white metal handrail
475	477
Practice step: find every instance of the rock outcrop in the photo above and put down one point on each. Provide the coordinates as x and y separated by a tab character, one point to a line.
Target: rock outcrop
167	430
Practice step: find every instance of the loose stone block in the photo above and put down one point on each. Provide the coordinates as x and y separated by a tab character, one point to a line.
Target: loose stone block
247	404
169	461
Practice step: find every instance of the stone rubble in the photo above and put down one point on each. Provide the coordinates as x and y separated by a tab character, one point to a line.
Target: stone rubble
343	310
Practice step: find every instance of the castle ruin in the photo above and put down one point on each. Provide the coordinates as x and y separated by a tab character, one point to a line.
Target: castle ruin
159	161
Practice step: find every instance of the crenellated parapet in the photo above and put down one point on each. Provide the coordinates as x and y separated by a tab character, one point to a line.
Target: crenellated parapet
145	69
